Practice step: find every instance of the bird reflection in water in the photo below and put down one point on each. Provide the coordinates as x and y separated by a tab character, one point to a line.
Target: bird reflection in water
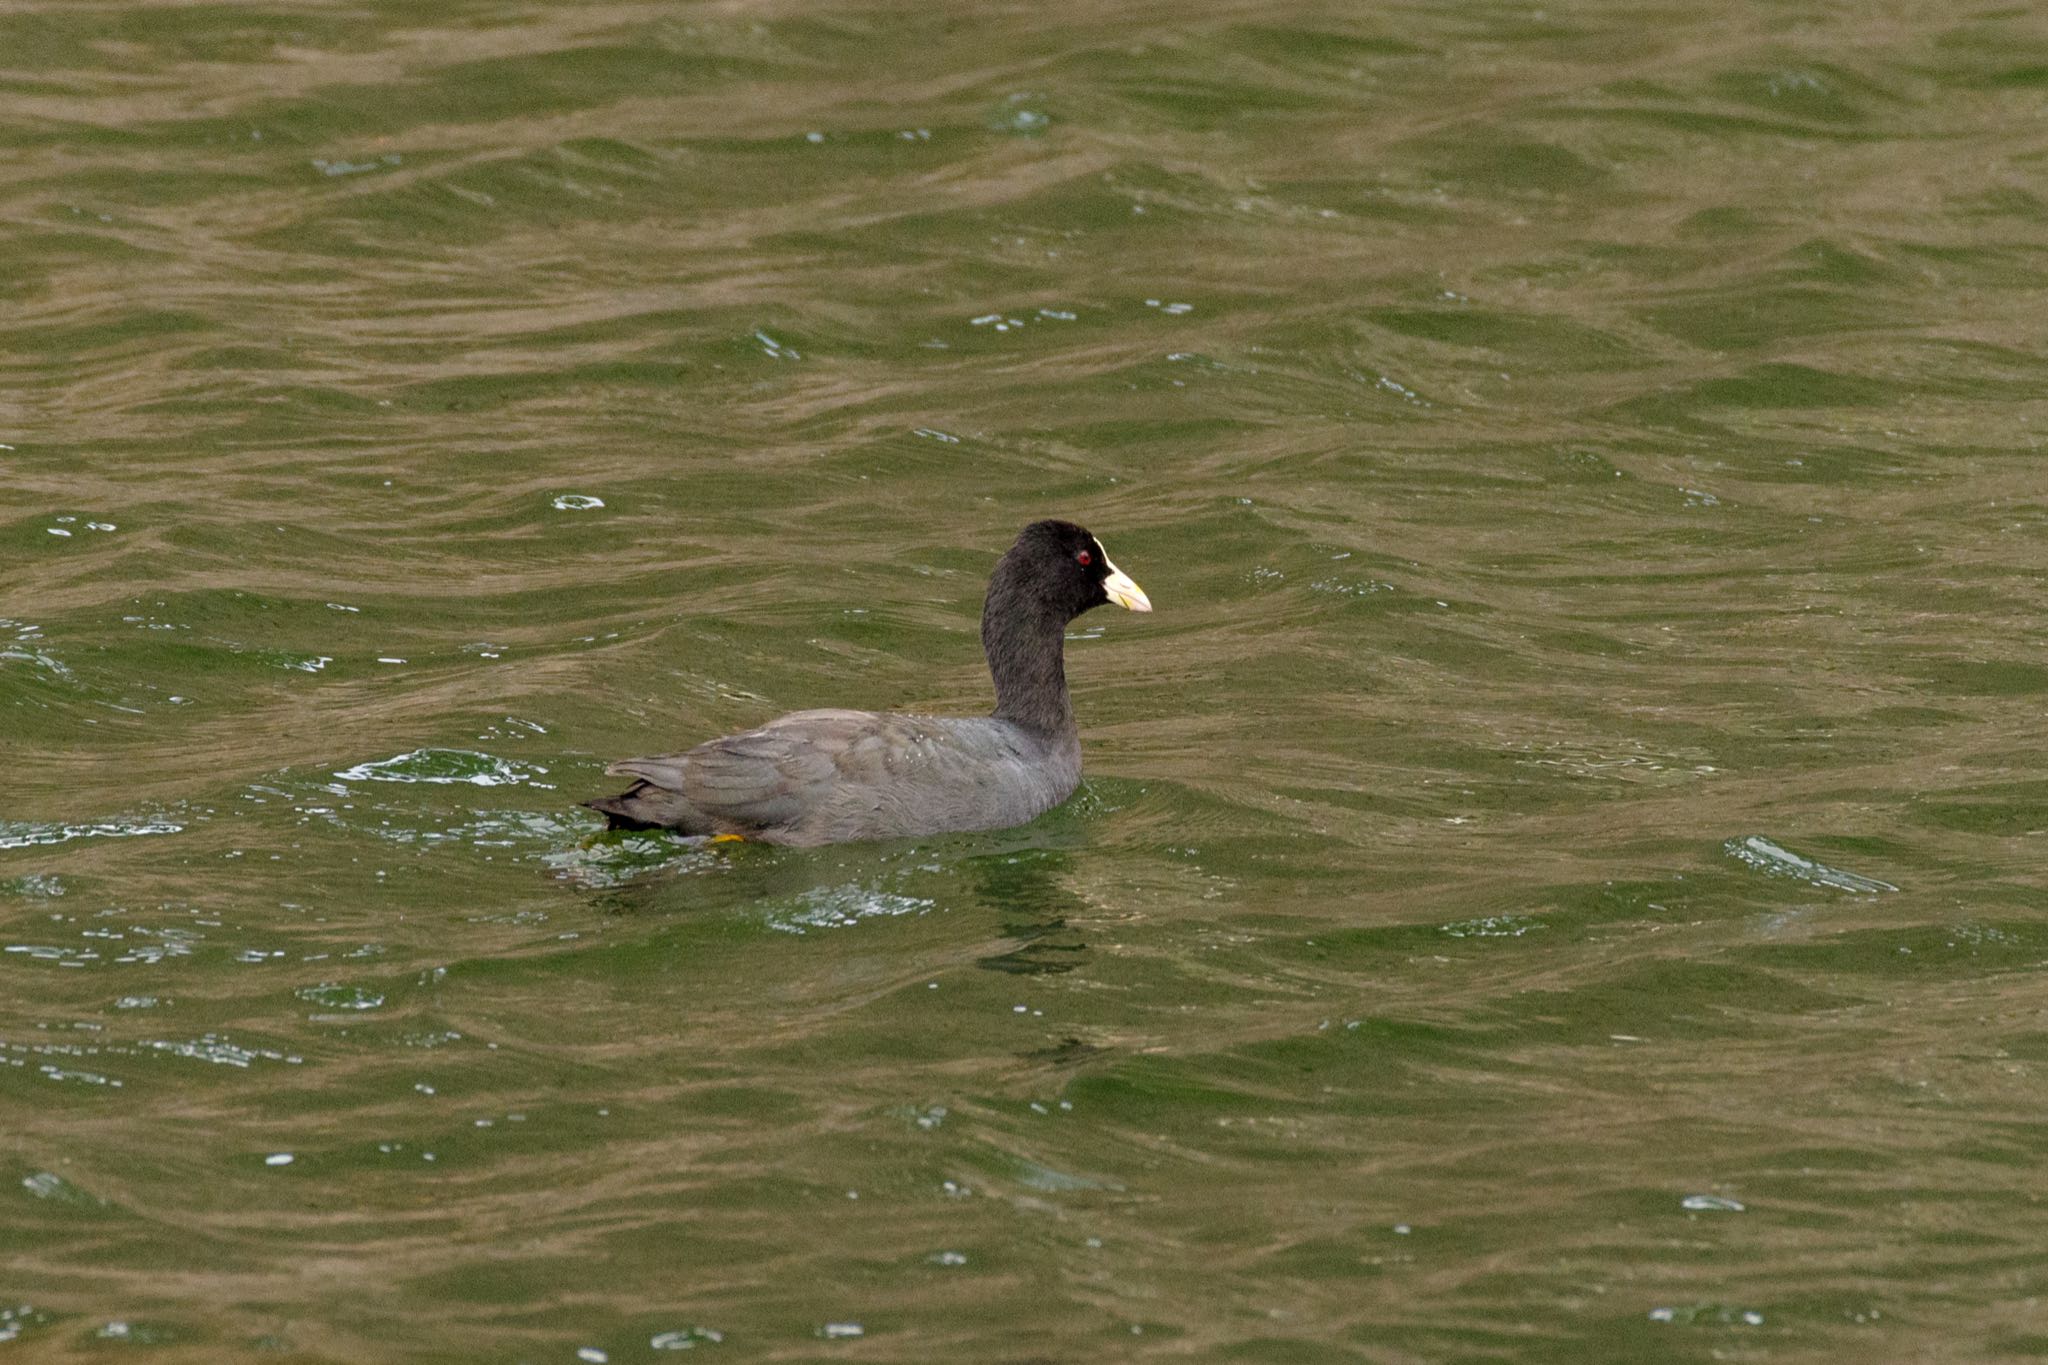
1028	891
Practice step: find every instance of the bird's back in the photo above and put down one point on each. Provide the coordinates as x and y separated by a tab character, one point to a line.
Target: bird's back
815	777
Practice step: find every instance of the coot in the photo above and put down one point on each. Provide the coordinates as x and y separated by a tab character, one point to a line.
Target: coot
822	777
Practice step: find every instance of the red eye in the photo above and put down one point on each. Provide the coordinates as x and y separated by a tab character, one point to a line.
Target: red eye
1082	559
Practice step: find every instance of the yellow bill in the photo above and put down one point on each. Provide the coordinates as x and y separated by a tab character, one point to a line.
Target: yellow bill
1122	590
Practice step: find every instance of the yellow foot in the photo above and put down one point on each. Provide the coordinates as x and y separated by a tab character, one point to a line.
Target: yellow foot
728	838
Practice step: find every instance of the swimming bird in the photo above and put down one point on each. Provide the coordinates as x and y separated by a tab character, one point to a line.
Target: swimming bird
823	777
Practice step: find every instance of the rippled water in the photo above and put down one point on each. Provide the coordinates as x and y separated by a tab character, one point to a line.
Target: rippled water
1560	874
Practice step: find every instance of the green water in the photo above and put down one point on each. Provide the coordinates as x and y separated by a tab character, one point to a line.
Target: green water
1560	874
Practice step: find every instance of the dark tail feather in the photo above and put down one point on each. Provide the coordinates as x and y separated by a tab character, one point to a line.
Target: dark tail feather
646	806
616	816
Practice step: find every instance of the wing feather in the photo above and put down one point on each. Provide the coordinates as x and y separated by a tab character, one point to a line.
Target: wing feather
817	776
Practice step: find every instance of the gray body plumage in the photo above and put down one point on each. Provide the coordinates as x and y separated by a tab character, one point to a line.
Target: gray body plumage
822	777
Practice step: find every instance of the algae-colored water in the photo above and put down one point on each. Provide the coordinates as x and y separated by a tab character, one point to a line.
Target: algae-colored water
1560	874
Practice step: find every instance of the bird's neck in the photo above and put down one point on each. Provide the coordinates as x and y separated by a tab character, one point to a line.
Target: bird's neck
1026	646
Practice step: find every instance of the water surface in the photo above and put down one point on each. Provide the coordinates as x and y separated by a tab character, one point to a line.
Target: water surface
1559	876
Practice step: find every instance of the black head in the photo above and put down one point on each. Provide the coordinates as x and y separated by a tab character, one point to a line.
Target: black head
1062	568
